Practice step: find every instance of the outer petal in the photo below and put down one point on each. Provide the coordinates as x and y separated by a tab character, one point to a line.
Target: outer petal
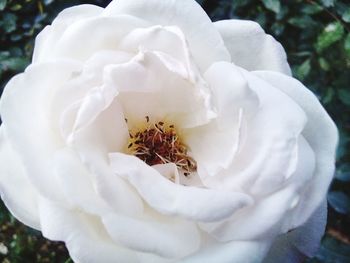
204	40
84	235
235	251
107	33
321	134
303	241
251	48
24	107
257	221
51	34
16	191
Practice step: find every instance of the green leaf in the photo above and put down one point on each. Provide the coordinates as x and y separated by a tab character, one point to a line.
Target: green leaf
277	28
9	22
303	70
14	64
339	201
311	9
273	5
347	44
344	96
332	33
324	64
333	251
16	7
346	15
328	97
3	4
343	173
301	21
327	3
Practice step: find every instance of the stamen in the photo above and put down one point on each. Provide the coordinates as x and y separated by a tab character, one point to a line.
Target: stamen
159	143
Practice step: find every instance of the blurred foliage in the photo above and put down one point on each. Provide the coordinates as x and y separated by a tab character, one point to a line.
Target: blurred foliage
316	36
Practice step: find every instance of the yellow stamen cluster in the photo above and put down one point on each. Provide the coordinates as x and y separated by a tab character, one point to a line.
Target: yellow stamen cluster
159	143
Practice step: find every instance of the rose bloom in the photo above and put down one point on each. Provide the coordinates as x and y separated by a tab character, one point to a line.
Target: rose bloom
143	132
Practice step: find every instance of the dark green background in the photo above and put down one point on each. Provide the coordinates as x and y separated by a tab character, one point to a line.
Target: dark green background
316	36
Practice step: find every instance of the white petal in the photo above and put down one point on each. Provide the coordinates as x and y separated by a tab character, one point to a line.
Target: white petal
25	110
268	148
147	84
204	41
77	42
307	238
321	134
76	182
176	200
169	171
84	235
166	40
261	220
47	38
214	146
18	194
235	251
93	142
251	48
82	89
169	238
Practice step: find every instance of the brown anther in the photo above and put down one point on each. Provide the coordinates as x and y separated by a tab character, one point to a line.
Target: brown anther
159	144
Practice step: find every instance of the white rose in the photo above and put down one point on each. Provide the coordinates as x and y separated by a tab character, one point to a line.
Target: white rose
228	158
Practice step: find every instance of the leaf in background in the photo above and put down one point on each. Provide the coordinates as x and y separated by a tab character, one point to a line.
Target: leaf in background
328	97
311	9
346	15
347	44
324	64
16	7
301	21
277	29
327	3
239	3
3	4
14	64
344	96
303	70
333	251
9	22
273	5
339	201
331	34
343	173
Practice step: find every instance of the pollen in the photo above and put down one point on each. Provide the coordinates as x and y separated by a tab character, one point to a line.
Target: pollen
159	143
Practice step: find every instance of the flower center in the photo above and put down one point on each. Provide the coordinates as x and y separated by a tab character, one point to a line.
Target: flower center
159	143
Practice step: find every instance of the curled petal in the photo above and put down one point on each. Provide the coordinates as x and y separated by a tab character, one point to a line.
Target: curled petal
176	200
